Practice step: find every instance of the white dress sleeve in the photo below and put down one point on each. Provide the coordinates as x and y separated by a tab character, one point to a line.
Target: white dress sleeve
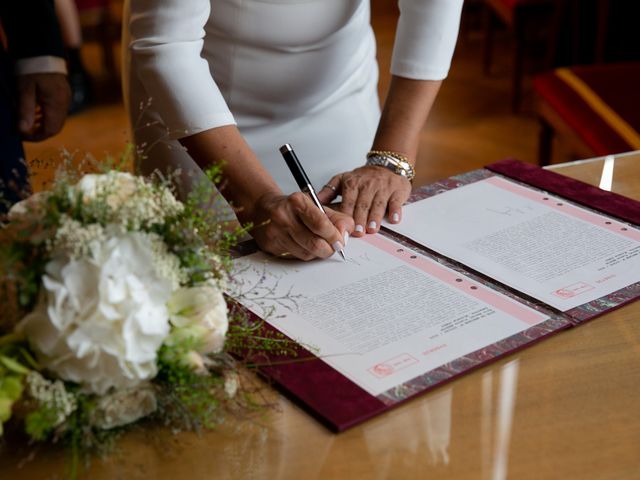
165	47
425	38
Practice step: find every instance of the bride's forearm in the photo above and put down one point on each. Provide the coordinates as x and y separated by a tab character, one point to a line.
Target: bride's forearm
245	180
405	111
283	225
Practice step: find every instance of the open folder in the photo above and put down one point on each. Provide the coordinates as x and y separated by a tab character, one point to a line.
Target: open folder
483	264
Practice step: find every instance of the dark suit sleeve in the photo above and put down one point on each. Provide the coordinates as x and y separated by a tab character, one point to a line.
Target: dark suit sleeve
31	28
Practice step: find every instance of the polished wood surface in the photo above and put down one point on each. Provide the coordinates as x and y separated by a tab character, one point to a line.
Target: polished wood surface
626	172
564	408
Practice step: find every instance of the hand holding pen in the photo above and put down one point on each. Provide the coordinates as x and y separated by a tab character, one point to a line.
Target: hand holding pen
337	241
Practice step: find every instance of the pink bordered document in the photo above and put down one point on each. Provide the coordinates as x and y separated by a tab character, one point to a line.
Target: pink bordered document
406	314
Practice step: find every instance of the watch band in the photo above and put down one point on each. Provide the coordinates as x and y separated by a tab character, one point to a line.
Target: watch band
396	162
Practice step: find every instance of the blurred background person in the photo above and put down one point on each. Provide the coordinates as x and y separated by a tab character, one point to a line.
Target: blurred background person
34	92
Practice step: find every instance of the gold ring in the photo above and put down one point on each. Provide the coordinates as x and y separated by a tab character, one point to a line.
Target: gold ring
331	187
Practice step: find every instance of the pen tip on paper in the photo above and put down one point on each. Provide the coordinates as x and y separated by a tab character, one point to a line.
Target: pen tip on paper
337	247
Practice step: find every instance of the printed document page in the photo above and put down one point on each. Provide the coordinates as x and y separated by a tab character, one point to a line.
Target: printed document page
559	253
385	316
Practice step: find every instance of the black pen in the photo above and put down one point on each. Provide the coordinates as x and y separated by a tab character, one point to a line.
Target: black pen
302	180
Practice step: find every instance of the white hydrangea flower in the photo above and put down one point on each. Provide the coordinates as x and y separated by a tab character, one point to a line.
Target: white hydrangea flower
199	312
101	319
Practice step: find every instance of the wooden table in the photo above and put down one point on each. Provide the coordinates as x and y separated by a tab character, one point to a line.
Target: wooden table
566	408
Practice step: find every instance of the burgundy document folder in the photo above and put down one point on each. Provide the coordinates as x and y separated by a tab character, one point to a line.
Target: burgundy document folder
340	404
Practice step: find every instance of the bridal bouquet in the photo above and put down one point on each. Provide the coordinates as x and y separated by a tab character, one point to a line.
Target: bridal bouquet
112	311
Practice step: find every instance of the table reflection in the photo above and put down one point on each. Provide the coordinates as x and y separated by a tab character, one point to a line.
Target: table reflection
606	179
496	428
429	426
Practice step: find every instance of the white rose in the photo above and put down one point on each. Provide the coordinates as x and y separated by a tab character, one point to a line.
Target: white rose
102	318
199	312
124	407
195	361
117	187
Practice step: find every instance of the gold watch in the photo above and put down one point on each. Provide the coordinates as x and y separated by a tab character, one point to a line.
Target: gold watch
396	162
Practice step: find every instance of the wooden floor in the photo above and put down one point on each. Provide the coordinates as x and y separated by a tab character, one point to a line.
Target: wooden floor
471	124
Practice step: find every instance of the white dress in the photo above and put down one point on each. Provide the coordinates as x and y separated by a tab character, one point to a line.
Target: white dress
302	72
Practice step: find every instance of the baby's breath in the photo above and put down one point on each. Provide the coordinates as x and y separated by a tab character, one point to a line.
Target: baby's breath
141	210
75	239
52	396
166	264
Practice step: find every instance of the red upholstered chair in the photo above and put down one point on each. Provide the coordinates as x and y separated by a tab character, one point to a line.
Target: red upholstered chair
519	16
594	110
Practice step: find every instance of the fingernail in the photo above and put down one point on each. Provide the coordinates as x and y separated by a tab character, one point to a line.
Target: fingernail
337	246
359	228
346	238
372	225
395	217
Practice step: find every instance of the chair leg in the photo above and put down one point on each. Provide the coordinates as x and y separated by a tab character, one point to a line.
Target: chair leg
545	140
489	25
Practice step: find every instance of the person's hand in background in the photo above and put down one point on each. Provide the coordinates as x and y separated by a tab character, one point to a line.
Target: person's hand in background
43	102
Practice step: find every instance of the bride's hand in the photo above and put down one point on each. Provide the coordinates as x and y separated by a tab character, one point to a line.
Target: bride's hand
367	194
293	226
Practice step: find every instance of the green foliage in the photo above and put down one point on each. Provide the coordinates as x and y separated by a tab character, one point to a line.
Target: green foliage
41	422
5	412
12	375
248	337
83	439
198	237
186	400
11	387
13	366
23	265
15	355
10	392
